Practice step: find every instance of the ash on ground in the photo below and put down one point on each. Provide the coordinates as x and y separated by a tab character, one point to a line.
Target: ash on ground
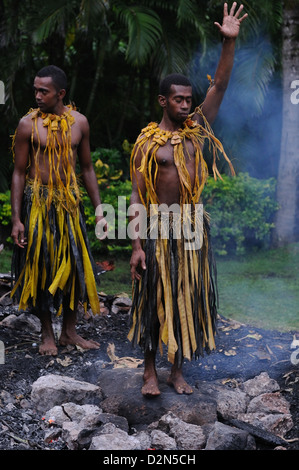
243	352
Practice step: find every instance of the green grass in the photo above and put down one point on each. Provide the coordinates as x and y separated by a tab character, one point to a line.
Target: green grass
261	289
5	260
119	280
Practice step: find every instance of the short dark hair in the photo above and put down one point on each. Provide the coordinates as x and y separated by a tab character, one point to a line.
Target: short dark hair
173	79
58	76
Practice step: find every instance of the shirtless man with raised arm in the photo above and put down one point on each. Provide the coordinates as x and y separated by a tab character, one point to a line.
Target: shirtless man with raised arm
170	305
52	270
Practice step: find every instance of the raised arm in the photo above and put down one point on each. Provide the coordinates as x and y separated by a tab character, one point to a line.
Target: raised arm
22	149
230	30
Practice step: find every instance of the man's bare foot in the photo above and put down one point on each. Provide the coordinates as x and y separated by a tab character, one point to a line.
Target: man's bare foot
180	385
48	347
77	340
150	387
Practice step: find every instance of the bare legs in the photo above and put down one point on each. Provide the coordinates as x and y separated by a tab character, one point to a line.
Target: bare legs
177	380
68	333
150	380
48	345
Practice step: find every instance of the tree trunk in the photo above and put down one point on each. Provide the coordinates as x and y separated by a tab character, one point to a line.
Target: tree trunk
98	73
287	218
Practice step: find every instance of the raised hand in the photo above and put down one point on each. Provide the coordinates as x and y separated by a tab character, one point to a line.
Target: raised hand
231	23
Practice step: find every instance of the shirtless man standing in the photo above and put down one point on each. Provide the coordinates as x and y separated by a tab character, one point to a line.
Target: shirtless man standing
168	305
50	262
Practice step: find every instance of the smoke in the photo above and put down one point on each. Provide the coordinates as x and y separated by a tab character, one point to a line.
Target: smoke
250	117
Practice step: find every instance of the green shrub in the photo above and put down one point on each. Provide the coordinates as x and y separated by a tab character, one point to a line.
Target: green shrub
242	209
5	218
5	208
107	165
109	195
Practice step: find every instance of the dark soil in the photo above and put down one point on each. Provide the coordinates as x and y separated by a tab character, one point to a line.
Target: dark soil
242	353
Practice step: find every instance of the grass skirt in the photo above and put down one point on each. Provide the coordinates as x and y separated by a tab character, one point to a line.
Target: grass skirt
179	289
56	269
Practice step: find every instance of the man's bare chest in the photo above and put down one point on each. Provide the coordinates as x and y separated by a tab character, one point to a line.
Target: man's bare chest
165	153
44	137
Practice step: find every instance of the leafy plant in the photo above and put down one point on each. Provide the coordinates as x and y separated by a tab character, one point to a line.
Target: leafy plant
5	218
110	196
5	208
105	173
242	210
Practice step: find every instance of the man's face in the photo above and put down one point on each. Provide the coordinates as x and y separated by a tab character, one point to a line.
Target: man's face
46	95
179	102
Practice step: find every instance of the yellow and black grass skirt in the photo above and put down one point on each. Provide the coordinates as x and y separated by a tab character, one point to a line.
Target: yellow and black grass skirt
56	269
177	291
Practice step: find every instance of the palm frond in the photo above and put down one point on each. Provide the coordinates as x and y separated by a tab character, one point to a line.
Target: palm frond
267	17
144	31
188	13
92	12
254	69
56	14
171	56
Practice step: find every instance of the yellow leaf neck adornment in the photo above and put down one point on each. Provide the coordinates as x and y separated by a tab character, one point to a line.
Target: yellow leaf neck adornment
152	137
59	156
64	121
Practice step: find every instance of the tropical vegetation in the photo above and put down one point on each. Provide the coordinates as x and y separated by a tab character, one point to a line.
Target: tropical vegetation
115	52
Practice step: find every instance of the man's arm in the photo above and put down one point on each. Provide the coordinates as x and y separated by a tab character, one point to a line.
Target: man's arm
87	171
138	255
22	149
229	30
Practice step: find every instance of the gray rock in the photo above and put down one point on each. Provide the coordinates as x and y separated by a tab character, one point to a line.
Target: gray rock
260	384
144	438
24	321
72	412
51	434
187	436
112	438
225	437
77	435
5	398
127	400
51	390
269	403
230	402
161	440
79	424
55	416
95	417
276	423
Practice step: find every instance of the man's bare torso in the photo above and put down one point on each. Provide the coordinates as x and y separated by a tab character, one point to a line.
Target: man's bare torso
40	141
168	183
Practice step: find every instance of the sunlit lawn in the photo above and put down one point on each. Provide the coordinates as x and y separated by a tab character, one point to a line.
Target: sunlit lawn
261	289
